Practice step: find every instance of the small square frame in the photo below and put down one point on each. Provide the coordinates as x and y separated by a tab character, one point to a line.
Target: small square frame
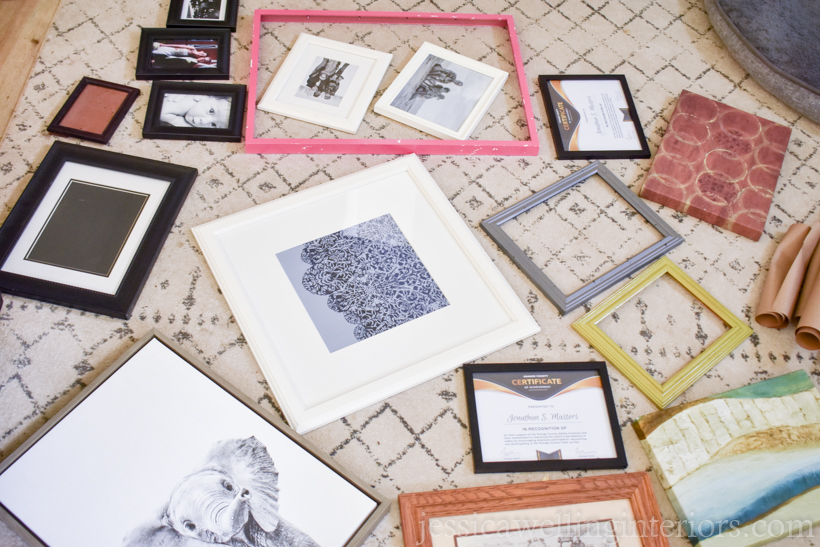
662	394
121	303
56	128
153	128
351	122
418	508
568	302
254	145
561	152
175	19
160	346
385	108
222	71
481	466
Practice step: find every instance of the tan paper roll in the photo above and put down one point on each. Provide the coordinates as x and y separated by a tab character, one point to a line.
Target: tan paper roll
777	300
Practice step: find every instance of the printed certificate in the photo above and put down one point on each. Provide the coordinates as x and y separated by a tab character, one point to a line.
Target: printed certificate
543	414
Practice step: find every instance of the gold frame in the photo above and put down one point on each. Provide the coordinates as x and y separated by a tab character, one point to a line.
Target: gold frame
662	394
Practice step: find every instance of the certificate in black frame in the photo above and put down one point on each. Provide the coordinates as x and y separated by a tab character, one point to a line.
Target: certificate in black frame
546	377
228	20
562	116
179	180
568	302
89	102
222	96
254	446
164	46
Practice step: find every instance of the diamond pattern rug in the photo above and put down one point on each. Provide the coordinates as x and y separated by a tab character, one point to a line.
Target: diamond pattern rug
417	440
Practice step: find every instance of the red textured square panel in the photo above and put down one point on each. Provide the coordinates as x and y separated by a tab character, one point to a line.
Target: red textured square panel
718	164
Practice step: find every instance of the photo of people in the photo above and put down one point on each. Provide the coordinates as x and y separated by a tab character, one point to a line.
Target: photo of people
195	110
327	81
442	92
183	54
208	10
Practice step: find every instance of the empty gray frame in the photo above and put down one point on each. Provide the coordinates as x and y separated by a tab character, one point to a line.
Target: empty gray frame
568	302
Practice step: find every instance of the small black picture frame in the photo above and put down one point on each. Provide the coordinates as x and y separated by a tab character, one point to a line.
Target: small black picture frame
184	54
62	244
568	302
170	121
94	110
535	388
601	111
203	14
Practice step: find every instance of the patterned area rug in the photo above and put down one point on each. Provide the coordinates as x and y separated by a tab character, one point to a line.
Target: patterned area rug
418	440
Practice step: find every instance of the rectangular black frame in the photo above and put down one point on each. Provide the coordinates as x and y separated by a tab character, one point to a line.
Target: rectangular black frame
618	462
222	71
568	302
176	21
379	511
121	303
564	154
153	128
102	138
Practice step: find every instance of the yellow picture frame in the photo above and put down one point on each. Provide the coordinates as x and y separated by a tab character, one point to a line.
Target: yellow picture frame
661	393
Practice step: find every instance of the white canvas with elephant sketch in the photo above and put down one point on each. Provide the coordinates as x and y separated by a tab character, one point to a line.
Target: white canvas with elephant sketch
111	465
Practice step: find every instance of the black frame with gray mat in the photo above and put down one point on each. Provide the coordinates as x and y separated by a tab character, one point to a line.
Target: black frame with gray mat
33	208
102	426
568	302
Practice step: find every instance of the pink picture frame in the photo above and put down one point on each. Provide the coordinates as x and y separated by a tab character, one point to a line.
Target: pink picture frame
253	145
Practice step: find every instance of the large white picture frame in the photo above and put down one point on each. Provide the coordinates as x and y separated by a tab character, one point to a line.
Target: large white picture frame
326	82
442	93
462	308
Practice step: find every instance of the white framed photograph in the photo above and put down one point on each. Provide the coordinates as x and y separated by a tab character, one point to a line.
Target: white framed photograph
360	288
326	82
442	93
159	450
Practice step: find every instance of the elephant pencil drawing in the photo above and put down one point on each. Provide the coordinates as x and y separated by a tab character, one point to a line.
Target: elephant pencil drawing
232	500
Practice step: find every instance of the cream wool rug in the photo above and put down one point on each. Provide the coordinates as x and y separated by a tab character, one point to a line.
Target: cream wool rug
418	440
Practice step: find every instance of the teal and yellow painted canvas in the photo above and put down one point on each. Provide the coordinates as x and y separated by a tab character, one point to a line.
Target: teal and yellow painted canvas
742	468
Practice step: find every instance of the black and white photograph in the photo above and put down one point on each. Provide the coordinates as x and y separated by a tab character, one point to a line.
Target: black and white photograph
328	81
160	451
195	111
184	54
442	92
208	10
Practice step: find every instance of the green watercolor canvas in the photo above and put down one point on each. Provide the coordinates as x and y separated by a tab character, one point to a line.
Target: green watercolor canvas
742	468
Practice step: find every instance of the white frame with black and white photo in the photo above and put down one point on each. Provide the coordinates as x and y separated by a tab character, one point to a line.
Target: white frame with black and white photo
315	385
155	127
416	74
283	94
119	464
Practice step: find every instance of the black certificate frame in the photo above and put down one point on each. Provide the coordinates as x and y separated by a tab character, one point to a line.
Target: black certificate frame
154	129
482	466
561	152
121	303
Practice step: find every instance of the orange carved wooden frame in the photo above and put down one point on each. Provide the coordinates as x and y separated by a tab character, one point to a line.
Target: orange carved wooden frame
418	508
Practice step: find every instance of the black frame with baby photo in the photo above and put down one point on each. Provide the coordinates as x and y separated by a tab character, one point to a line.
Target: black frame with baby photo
144	470
220	61
226	20
158	126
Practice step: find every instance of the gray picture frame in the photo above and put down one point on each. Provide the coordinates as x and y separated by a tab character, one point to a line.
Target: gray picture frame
382	505
568	302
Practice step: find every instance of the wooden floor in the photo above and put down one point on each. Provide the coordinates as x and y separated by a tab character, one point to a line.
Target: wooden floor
23	27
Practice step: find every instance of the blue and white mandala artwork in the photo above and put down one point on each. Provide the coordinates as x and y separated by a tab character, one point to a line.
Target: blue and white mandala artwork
361	281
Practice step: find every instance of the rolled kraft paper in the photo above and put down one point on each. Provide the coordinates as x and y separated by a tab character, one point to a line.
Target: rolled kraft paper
807	333
782	286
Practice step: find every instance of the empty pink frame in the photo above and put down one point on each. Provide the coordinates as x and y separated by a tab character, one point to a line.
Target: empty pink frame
255	145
